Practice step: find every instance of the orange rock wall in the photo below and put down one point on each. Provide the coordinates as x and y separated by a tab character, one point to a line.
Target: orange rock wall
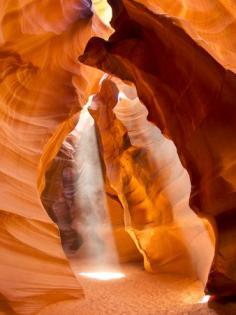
64	198
190	97
211	23
144	170
41	86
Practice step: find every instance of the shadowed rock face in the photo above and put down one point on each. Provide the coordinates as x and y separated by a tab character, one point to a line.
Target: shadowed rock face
58	196
191	98
65	200
210	23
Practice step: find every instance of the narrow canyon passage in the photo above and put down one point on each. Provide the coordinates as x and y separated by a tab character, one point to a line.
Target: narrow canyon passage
103	226
117	157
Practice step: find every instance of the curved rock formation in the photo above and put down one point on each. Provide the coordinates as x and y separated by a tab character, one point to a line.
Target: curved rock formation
23	218
41	86
190	97
211	23
144	169
75	204
58	194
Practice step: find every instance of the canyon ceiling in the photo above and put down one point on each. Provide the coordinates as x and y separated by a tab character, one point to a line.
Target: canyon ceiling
167	148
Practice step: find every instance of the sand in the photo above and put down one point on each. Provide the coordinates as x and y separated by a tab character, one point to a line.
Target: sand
139	293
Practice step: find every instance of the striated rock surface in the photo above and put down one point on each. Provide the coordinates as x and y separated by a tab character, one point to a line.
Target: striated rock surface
144	169
78	207
211	23
99	213
58	196
190	97
41	86
29	243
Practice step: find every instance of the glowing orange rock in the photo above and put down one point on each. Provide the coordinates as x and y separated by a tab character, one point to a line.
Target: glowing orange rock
151	184
62	199
211	23
41	86
190	97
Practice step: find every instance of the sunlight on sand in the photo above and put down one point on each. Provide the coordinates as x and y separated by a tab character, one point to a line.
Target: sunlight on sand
104	276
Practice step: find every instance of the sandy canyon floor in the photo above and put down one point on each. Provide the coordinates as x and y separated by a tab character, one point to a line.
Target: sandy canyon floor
139	293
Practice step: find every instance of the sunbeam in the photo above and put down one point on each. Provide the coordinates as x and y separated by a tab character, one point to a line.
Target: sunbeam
104	276
93	215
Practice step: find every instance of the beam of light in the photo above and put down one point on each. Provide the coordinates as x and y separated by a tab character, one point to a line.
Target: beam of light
205	299
104	276
93	217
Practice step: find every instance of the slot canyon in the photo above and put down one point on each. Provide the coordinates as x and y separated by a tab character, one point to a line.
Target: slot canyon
118	157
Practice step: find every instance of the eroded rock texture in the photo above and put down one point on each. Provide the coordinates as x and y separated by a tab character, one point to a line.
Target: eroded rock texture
79	206
144	169
211	23
41	86
58	196
191	98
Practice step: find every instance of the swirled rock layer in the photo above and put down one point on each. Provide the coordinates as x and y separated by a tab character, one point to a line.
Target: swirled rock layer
41	86
190	97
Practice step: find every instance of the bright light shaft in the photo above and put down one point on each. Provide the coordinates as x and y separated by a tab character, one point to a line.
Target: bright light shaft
104	276
93	215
